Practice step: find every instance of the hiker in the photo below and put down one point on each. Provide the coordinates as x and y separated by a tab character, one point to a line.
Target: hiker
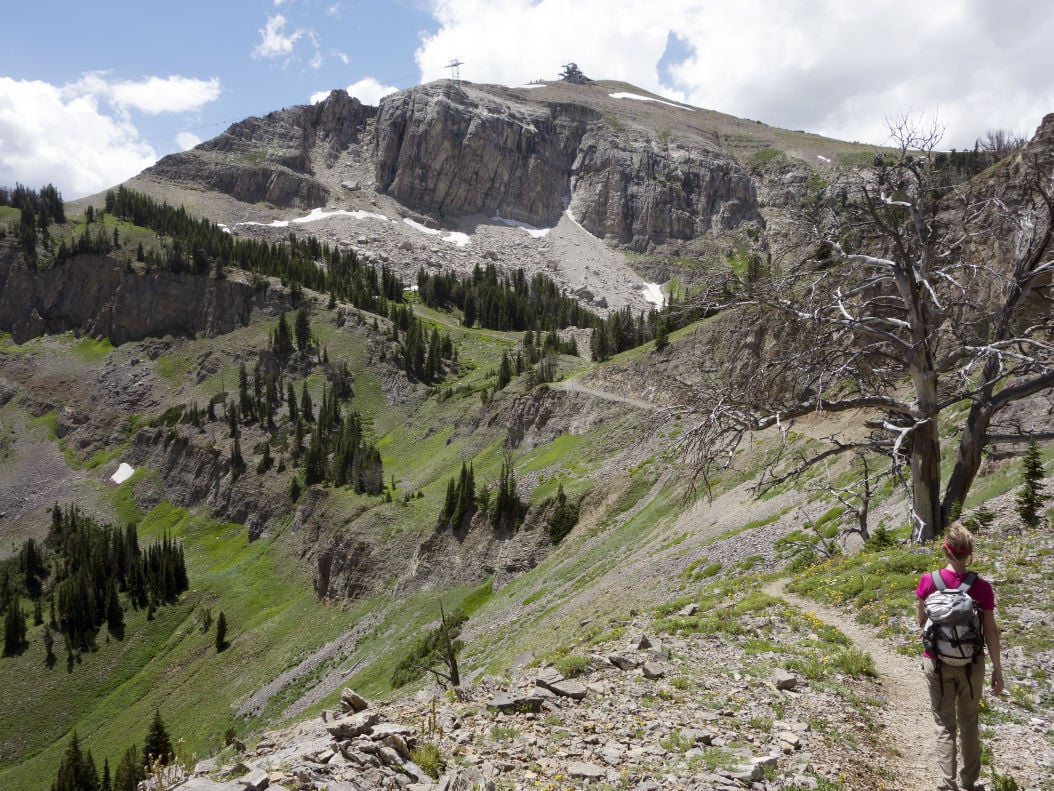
954	661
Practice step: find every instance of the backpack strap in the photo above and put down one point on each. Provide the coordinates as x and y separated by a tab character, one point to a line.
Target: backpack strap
938	580
968	581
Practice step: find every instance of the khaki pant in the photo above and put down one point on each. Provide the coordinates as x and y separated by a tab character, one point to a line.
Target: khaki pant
955	696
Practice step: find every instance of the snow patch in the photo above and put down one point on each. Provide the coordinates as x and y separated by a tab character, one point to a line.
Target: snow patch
822	158
638	97
453	237
223	227
321	214
653	293
537	233
124	472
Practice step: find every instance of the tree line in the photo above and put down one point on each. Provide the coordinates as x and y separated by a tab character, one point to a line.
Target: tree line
77	770
85	573
201	246
505	302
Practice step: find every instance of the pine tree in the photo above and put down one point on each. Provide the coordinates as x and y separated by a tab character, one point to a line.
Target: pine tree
1030	497
302	330
158	744
14	627
221	632
129	771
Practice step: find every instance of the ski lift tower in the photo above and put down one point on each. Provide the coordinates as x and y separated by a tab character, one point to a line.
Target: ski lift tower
455	69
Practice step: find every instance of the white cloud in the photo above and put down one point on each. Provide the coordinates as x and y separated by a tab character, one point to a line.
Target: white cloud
370	91
342	56
152	95
820	65
274	41
81	136
57	135
367	91
187	140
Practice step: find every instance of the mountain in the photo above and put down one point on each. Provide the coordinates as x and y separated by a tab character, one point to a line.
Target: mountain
170	362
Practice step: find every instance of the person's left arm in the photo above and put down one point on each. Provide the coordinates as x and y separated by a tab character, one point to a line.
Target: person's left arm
991	640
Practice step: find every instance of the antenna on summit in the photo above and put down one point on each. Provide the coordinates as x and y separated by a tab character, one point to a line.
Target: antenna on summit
455	69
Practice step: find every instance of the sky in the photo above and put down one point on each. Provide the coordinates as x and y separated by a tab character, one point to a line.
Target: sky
91	93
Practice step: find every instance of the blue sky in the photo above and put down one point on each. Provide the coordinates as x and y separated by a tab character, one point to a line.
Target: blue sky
93	92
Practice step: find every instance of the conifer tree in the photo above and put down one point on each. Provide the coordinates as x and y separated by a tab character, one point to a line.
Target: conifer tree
221	632
158	744
302	330
1030	497
14	627
129	771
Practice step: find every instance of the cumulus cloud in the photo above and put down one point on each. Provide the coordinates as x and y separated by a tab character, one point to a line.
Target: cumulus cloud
819	65
274	41
369	90
187	140
81	136
152	95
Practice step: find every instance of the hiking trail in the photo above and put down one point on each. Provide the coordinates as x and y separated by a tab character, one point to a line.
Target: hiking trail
907	722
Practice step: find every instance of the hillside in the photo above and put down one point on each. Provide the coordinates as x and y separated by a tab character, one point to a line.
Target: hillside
109	358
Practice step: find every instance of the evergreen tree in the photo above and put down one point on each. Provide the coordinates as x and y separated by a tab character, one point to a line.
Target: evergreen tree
221	632
282	342
158	744
307	408
662	338
114	612
290	400
1030	497
303	330
504	371
76	770
129	771
14	627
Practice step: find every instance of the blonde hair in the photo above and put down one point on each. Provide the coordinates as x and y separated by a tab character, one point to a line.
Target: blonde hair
958	540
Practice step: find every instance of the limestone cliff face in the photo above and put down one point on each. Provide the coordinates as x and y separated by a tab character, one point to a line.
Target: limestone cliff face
270	158
448	149
97	296
638	194
455	149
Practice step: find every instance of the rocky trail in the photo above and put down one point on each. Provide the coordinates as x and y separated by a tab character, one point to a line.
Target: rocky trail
906	713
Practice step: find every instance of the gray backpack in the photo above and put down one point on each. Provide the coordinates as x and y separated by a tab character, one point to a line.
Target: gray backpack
952	633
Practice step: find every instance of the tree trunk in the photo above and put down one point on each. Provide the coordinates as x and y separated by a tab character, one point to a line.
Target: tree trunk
968	458
926	456
926	482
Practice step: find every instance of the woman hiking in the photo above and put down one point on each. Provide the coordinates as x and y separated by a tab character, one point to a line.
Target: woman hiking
954	661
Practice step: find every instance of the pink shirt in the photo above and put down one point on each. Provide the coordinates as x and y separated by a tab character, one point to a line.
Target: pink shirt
981	591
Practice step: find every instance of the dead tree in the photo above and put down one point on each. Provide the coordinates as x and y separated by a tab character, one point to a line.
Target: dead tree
912	297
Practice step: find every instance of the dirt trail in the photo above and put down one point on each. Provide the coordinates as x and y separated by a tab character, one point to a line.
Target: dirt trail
572	385
906	714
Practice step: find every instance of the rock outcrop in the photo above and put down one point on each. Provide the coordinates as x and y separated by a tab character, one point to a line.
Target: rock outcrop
454	149
95	295
462	150
270	158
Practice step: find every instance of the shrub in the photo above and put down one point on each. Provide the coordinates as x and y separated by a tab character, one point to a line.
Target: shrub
571	665
428	756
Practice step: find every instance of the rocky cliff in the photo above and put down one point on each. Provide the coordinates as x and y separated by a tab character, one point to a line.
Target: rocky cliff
640	175
272	158
529	154
98	296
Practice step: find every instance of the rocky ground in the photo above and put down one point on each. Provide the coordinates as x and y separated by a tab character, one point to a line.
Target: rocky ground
754	689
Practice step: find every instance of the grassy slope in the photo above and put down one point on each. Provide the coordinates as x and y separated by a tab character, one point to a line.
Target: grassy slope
170	664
